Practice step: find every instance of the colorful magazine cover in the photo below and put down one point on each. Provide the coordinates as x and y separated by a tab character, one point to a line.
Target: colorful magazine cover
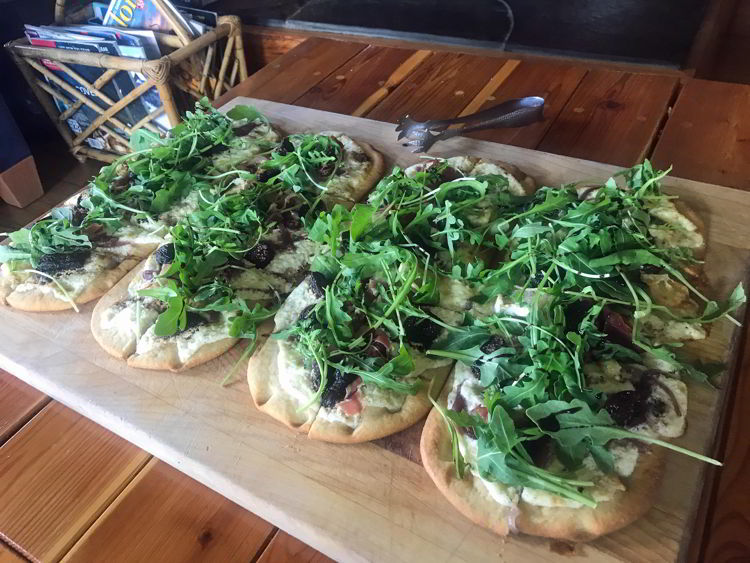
141	14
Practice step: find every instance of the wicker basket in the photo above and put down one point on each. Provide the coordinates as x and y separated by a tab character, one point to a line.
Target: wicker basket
188	72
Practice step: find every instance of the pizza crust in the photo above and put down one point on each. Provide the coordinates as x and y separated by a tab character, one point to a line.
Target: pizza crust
43	301
365	183
528	183
378	422
467	495
110	340
166	356
163	357
585	524
268	394
470	497
468	164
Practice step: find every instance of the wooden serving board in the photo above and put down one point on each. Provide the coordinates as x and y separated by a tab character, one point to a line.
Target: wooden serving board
370	501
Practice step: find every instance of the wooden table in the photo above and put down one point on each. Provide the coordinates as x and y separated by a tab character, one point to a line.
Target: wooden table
77	490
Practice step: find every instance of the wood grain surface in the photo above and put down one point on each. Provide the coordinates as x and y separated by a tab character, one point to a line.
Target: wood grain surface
727	533
18	403
9	556
351	84
323	493
263	48
295	72
56	476
611	117
164	515
554	81
287	549
606	115
442	85
707	136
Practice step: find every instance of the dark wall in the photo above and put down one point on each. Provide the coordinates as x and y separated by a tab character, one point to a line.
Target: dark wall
23	105
659	31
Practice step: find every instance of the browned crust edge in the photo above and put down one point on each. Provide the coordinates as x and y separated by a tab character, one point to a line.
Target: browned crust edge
267	394
377	422
585	524
38	302
572	524
467	495
118	292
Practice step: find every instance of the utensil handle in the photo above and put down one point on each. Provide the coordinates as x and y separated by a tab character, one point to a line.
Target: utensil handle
517	112
513	113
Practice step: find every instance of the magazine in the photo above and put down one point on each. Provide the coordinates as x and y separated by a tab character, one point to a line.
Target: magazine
115	89
123	28
142	14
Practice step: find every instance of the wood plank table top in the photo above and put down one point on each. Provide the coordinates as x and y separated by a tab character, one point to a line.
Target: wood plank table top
85	494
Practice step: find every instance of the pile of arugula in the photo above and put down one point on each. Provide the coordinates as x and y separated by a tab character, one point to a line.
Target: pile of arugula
232	219
374	287
548	252
135	187
564	253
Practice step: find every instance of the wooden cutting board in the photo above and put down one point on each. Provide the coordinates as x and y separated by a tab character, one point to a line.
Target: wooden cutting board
370	501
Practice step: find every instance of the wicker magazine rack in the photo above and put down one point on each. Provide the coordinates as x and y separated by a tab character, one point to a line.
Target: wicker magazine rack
189	71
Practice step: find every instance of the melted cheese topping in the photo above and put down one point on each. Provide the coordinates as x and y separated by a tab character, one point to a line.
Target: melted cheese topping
73	281
347	185
245	150
295	259
150	232
293	377
605	487
181	209
677	230
500	493
484	168
371	395
189	342
128	323
260	279
466	384
668	330
301	297
625	457
337	415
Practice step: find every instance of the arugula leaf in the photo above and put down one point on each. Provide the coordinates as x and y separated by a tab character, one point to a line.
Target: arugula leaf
173	319
143	139
244	112
8	254
361	216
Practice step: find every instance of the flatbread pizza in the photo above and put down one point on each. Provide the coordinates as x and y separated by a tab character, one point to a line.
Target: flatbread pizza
567	387
350	404
230	261
81	249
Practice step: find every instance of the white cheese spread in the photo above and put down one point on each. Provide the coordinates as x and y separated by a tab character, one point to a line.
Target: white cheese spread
468	386
337	415
301	297
293	377
677	230
668	330
500	493
668	423
128	323
295	258
625	457
485	168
